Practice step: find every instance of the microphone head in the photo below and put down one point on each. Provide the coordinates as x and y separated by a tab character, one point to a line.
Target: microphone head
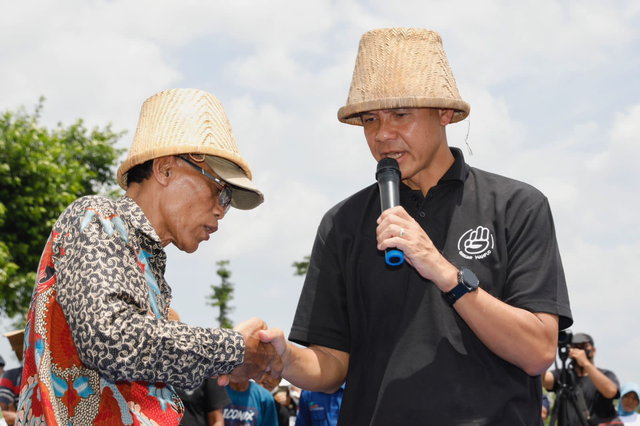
388	164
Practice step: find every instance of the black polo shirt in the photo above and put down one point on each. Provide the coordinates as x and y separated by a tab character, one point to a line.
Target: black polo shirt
413	360
201	401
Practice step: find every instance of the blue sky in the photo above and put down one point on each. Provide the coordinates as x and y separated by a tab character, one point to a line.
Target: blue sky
554	102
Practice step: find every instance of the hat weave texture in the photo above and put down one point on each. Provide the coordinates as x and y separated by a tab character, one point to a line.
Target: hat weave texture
182	121
401	68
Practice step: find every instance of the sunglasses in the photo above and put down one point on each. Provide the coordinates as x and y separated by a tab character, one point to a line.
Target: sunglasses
225	194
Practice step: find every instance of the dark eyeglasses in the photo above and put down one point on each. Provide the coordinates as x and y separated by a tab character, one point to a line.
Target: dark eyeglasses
225	194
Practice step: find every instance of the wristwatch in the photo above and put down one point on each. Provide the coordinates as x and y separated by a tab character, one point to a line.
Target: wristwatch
467	282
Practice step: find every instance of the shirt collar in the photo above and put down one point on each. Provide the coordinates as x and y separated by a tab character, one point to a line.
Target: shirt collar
459	170
137	218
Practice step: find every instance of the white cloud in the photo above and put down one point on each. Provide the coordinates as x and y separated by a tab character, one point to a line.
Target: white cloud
78	59
494	135
498	41
626	131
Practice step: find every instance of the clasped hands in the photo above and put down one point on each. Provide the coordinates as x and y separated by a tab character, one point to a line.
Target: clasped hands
259	357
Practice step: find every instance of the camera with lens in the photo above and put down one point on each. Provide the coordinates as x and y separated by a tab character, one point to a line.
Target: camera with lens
564	338
564	342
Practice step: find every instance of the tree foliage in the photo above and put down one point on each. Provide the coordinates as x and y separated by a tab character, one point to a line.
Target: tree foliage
222	295
302	267
42	171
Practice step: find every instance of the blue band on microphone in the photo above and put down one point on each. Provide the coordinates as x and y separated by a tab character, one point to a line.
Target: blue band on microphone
394	257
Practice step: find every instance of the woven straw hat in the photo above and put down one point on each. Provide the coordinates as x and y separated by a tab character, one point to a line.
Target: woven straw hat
401	68
16	339
190	121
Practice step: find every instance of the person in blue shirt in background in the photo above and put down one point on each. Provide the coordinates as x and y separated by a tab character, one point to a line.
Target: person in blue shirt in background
319	408
251	405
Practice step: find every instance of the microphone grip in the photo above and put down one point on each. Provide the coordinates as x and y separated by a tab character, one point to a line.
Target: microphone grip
393	256
389	186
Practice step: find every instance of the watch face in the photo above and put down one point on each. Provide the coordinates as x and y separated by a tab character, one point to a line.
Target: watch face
469	278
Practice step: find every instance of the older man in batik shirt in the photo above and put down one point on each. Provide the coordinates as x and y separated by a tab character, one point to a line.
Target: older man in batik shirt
99	346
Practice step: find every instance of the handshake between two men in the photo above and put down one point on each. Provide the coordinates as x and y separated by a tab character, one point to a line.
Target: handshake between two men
260	357
315	368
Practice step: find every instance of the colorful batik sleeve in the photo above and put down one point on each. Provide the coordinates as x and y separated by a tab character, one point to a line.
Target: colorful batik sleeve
109	288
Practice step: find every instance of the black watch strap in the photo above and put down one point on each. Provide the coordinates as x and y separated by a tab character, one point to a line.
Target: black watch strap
455	294
467	282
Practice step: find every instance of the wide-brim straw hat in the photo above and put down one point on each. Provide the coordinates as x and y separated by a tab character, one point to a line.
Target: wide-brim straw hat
16	339
401	68
191	121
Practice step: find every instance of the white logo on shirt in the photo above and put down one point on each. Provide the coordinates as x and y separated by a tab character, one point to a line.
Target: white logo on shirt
476	243
246	415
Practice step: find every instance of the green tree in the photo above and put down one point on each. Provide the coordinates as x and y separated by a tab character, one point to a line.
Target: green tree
302	267
222	295
42	171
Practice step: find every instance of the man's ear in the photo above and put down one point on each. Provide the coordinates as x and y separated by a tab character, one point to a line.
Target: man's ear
162	169
446	115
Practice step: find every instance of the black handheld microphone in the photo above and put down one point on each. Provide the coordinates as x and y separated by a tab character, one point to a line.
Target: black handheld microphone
388	176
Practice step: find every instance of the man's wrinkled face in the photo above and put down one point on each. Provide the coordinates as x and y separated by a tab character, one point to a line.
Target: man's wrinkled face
192	209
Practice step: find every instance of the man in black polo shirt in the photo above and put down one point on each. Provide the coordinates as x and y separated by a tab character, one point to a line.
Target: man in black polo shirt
422	343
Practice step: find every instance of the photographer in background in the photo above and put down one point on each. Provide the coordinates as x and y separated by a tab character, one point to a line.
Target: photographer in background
599	386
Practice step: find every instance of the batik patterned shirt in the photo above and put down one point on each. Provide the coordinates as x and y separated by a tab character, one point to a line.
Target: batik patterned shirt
99	348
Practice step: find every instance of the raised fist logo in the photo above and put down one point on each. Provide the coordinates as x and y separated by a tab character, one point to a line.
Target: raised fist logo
476	243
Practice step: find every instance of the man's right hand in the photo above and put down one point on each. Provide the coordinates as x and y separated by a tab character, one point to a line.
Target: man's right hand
275	337
580	355
315	368
259	357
